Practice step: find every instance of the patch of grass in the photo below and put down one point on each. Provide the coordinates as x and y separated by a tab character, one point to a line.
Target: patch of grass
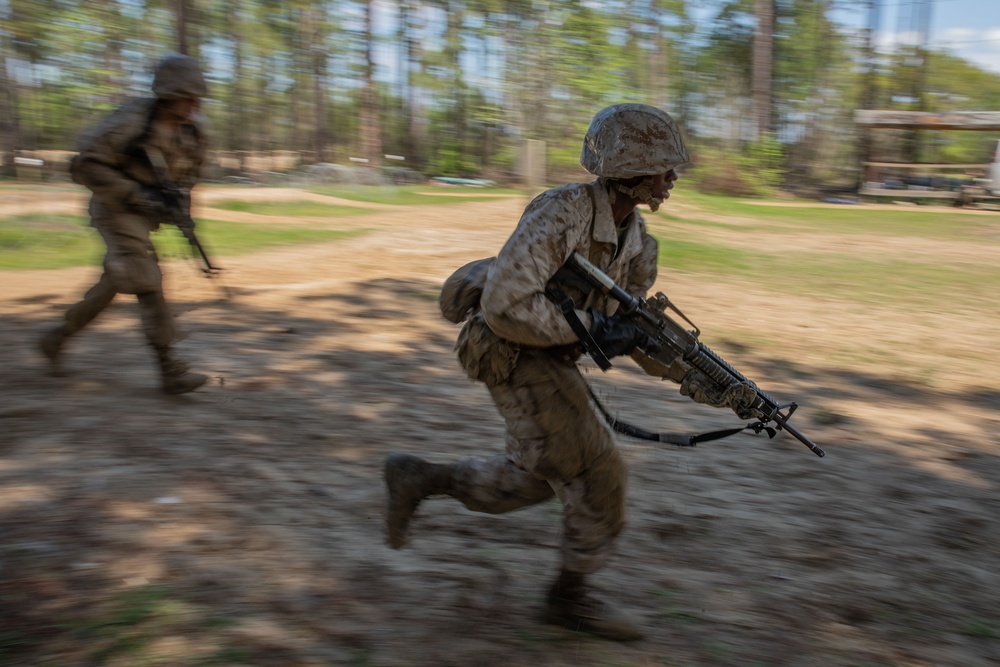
137	619
875	279
13	642
39	241
983	629
47	242
234	238
670	611
821	219
292	209
409	195
227	656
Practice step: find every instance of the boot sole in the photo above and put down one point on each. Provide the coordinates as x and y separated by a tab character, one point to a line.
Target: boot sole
184	389
575	623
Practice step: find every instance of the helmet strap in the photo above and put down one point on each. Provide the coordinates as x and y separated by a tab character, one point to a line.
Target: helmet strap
643	192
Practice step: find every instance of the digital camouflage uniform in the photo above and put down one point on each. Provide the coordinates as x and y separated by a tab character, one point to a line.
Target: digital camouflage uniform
126	206
520	345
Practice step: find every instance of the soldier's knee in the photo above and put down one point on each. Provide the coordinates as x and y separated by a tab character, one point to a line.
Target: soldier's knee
134	273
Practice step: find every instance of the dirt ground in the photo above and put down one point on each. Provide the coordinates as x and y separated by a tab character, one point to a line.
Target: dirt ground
242	524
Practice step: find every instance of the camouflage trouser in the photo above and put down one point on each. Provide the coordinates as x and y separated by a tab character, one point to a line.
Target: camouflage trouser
556	444
130	267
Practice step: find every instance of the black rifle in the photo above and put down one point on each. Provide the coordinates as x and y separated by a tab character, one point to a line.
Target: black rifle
180	210
178	204
676	341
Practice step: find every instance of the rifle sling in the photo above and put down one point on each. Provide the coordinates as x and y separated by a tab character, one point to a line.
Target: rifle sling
679	439
568	309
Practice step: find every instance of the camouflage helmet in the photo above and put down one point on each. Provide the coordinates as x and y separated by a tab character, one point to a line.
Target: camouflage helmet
178	77
629	140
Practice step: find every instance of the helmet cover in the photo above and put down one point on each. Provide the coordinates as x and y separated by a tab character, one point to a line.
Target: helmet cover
179	77
629	140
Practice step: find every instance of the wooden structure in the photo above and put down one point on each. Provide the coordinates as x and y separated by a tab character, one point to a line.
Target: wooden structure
874	182
925	120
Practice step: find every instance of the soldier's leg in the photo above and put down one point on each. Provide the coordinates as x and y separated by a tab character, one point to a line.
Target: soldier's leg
493	485
556	443
586	471
133	265
552	436
593	516
93	304
77	317
158	325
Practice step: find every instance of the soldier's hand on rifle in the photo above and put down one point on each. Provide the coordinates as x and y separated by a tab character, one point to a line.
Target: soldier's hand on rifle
739	397
156	203
618	334
185	222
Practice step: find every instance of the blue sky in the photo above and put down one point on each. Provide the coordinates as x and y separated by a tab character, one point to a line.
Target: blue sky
967	28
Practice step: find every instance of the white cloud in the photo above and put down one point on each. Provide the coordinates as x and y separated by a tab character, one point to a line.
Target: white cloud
979	46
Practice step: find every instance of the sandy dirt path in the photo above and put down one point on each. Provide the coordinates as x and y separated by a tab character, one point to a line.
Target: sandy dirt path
242	524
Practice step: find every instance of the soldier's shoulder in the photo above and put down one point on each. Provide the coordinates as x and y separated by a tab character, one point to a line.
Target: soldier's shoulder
125	123
569	192
572	195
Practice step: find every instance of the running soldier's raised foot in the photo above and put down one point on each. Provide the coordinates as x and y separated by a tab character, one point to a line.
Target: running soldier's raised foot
50	345
408	480
572	605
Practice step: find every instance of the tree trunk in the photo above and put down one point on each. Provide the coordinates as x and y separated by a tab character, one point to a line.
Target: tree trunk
236	127
321	137
371	140
763	53
181	12
10	130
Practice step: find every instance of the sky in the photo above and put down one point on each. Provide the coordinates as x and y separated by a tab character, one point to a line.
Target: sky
969	29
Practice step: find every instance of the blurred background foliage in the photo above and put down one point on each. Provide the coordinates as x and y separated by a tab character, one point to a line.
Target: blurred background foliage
764	89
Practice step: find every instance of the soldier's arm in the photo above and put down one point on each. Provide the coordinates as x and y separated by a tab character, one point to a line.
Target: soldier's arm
514	302
100	165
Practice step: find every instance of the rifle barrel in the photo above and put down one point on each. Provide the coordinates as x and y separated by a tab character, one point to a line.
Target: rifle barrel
813	447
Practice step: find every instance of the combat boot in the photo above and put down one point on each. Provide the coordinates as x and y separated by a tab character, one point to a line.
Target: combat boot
409	479
570	604
51	346
177	377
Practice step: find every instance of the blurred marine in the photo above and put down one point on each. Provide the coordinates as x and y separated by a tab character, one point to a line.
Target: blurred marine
117	162
523	346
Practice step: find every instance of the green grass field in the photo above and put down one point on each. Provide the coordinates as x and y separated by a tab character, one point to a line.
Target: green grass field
292	209
40	241
411	195
771	246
